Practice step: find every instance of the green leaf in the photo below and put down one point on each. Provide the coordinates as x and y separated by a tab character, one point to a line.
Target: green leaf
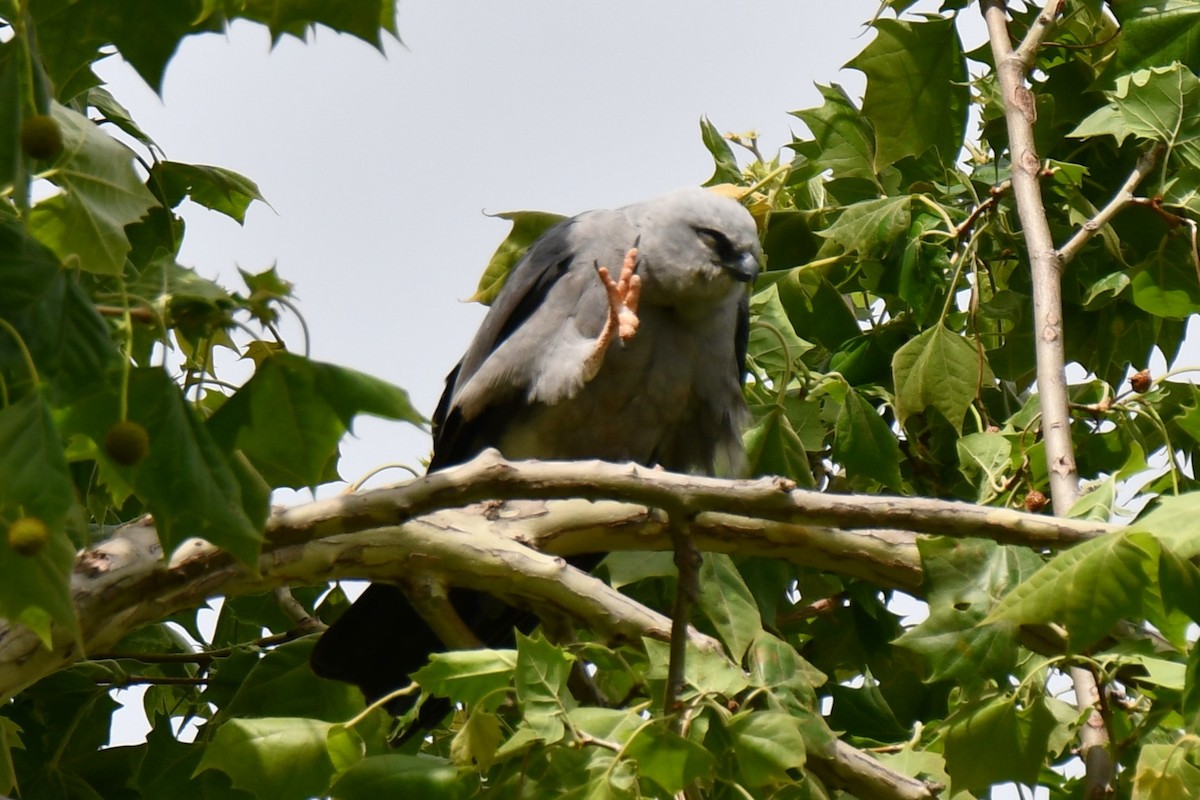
477	740
1163	772
1088	588
706	672
917	94
282	684
1174	522
986	459
289	417
964	579
957	647
1097	502
220	500
11	62
281	757
1158	104
395	775
773	446
541	681
527	226
216	188
101	194
70	344
774	344
1156	32
727	170
843	141
469	676
34	482
1179	582
668	759
865	445
998	742
365	19
871	226
727	602
941	369
766	745
1164	284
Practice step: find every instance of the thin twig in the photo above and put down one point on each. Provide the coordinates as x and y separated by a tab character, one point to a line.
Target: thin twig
150	680
297	613
203	657
1123	198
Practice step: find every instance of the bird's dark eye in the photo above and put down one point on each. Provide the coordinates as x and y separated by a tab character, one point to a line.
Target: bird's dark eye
718	242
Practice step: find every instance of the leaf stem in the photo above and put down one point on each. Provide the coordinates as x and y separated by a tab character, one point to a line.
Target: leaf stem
16	337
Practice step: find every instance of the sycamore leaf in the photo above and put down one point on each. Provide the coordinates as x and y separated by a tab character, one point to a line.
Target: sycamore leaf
35	483
872	225
728	603
997	742
216	188
727	170
941	369
469	676
1159	104
917	92
1164	773
288	758
541	680
397	775
865	445
289	417
221	499
766	745
668	759
101	194
1088	588
843	141
527	226
1155	32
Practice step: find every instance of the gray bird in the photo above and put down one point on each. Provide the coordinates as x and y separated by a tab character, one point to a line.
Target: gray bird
571	363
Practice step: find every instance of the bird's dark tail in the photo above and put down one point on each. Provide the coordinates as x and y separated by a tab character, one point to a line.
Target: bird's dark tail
381	639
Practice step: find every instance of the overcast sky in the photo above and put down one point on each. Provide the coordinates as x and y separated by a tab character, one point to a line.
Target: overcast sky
379	168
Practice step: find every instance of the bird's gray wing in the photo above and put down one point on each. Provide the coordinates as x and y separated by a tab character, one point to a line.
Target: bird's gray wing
532	344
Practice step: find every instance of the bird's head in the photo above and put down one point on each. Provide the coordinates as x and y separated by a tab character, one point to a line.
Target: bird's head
695	247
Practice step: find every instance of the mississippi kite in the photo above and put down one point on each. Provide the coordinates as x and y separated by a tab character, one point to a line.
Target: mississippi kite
572	362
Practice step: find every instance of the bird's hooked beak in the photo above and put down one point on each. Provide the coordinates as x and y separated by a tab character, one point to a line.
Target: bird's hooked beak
745	269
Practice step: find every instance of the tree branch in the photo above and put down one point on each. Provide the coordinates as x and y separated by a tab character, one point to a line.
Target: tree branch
489	477
1046	264
1123	198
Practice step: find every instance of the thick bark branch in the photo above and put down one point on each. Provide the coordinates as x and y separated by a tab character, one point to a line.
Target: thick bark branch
490	478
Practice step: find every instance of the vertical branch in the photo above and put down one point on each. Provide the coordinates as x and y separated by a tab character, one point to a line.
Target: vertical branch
1046	264
1020	112
687	560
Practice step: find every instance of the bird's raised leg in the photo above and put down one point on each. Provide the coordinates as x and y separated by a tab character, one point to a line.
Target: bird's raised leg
623	297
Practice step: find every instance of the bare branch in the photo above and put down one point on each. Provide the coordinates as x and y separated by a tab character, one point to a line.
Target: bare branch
490	477
1123	198
845	767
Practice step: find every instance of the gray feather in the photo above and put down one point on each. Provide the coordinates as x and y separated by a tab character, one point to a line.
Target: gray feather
670	396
